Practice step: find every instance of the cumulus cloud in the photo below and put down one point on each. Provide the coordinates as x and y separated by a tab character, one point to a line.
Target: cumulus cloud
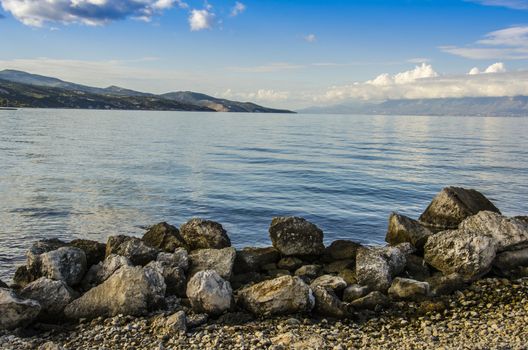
498	67
310	38
419	72
512	4
201	19
91	12
238	9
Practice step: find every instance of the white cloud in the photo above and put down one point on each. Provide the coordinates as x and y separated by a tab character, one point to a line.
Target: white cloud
90	12
310	38
238	9
419	72
474	71
262	95
513	4
201	19
498	67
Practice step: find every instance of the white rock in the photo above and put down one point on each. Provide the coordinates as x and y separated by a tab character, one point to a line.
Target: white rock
16	312
208	292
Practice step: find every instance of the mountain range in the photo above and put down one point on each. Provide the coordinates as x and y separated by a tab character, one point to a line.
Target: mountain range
21	89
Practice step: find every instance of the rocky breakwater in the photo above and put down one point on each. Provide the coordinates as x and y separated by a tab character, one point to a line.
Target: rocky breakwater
178	279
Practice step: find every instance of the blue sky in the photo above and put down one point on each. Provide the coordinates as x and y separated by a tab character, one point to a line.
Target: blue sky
280	53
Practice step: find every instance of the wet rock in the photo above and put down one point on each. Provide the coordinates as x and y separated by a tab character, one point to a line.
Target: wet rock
208	292
511	263
327	303
22	277
53	296
204	234
403	229
254	259
94	251
129	291
174	276
443	285
408	289
454	204
308	271
469	254
342	250
99	273
279	296
371	301
296	236
164	237
289	263
334	283
179	258
16	312
132	248
354	292
220	260
66	264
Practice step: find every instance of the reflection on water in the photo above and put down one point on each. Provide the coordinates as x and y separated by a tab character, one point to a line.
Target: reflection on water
92	174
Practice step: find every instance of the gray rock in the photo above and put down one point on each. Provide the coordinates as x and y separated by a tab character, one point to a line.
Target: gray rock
296	236
220	260
66	264
254	259
209	293
16	312
99	273
327	303
204	234
94	251
53	296
289	263
510	263
454	204
354	292
408	289
371	301
403	229
174	276
333	283
308	271
129	291
50	346
132	248
164	237
342	250
443	285
38	248
179	258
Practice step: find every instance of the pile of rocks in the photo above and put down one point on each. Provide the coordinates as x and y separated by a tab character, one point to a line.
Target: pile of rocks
184	276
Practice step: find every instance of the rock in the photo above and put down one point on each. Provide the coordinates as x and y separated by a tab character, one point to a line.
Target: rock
66	264
253	259
204	234
208	292
403	229
179	258
16	312
94	251
308	271
293	341
371	301
3	285
164	237
131	247
510	263
282	295
169	326
22	277
375	267
50	346
296	236
416	268
53	296
99	273
443	285
469	254
174	276
339	265
354	292
333	283
408	289
454	204
327	303
129	291
289	263
38	248
220	260
195	320
342	250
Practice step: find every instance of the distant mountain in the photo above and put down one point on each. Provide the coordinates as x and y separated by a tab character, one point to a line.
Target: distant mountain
22	89
516	106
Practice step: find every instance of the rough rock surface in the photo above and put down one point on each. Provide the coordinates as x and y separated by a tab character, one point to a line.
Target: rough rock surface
253	259
290	263
53	296
99	273
354	292
442	285
94	251
342	250
41	247
173	275
403	229
204	234
66	264
129	291
209	293
308	271
371	301
334	283
469	254
408	289
454	204
179	258
164	237
16	312
327	303
282	295
131	247
220	260
171	325
296	236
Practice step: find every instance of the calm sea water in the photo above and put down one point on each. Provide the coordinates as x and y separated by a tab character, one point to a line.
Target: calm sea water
92	174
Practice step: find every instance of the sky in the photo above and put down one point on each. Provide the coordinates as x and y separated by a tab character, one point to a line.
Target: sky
288	54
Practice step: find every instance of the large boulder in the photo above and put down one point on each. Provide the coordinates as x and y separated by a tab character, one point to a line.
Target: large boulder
129	291
253	259
16	312
341	250
467	253
174	276
94	251
296	236
53	296
208	292
282	295
32	271
408	289
376	267
164	237
220	260
131	247
203	234
99	273
510	263
403	229
454	204
66	264
328	304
